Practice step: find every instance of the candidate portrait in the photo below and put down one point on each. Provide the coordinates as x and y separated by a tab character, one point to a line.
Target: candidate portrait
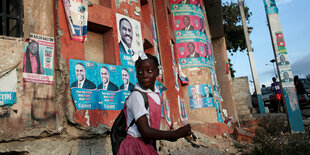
126	83
126	34
192	52
105	78
82	81
208	93
187	24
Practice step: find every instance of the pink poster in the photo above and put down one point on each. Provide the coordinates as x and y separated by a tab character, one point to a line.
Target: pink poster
191	50
188	23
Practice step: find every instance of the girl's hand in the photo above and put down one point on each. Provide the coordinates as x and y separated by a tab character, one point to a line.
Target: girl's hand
181	132
184	131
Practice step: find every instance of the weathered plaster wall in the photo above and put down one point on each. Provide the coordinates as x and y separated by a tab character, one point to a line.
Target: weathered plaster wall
242	98
224	79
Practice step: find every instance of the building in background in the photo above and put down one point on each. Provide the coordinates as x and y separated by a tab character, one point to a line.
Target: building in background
48	111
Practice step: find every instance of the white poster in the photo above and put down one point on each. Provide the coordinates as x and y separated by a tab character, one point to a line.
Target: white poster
129	38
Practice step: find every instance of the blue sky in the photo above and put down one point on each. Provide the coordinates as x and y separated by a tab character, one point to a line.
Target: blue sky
295	21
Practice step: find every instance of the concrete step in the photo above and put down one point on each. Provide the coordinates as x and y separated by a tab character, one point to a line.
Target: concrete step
244	112
243	107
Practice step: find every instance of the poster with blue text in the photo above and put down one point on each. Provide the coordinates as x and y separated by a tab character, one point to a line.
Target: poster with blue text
108	87
8	84
129	38
83	83
38	62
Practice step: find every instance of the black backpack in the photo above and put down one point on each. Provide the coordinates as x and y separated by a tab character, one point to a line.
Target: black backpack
118	131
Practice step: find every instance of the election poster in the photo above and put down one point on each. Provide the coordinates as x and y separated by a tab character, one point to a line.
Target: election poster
83	82
123	80
286	77
270	6
219	111
182	110
189	22
107	88
184	5
127	81
8	84
280	42
77	16
200	96
38	61
129	39
282	60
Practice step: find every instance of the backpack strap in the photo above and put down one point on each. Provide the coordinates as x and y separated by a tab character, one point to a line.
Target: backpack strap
146	104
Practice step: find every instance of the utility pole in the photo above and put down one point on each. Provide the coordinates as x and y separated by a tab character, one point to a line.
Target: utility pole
251	59
284	68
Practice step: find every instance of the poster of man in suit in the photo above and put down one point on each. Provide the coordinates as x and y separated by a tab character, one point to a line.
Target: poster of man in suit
286	77
127	84
129	38
106	84
83	82
282	60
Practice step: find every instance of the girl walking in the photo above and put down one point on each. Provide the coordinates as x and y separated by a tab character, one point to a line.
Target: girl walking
147	121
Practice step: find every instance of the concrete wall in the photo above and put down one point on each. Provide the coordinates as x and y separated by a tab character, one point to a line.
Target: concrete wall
242	97
224	79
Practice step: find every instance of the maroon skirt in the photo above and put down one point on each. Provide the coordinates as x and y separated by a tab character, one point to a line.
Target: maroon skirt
135	146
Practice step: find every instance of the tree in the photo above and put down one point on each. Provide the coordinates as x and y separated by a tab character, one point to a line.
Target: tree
232	71
233	29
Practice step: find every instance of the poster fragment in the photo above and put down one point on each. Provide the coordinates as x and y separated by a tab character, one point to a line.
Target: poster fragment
8	84
77	16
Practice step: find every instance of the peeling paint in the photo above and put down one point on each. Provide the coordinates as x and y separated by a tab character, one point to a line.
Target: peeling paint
87	117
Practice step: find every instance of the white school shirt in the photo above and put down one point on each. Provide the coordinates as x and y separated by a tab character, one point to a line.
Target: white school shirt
135	107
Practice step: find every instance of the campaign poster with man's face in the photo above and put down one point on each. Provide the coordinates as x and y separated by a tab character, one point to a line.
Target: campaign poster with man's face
126	81
129	38
108	86
282	60
38	62
286	77
83	83
195	96
188	23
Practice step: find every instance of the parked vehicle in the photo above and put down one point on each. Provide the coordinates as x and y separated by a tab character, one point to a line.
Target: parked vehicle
267	96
